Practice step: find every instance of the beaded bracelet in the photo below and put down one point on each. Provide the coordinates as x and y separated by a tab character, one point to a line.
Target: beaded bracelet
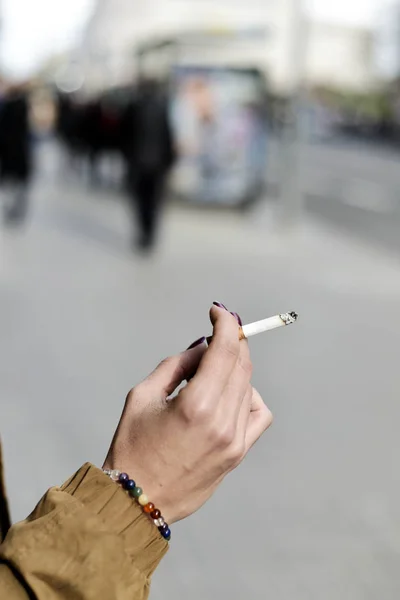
136	492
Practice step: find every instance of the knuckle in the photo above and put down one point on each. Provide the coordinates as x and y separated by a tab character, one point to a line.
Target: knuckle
140	390
236	453
130	398
226	436
201	412
194	411
222	436
268	418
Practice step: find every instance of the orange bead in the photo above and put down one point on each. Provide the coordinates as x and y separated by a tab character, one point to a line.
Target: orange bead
149	508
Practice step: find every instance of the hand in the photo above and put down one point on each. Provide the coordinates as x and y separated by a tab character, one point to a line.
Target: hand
180	450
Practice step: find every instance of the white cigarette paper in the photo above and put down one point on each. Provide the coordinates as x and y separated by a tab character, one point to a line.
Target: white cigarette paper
268	324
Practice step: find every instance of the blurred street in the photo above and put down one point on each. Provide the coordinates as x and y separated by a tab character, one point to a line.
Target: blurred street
313	512
353	185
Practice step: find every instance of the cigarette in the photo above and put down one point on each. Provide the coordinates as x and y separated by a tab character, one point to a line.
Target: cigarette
252	329
267	325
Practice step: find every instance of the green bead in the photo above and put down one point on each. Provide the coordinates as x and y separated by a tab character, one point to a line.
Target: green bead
137	492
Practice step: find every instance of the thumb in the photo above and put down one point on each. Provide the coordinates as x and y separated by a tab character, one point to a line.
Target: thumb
173	370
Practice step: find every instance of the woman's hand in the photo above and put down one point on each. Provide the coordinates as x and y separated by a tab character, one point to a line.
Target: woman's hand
180	450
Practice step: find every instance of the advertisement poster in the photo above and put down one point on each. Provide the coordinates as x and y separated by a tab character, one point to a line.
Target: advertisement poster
220	127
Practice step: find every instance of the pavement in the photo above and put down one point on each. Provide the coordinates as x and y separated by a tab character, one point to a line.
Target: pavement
354	185
313	512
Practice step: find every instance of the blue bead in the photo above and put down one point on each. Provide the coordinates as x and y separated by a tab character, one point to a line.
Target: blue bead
163	528
123	477
129	485
166	533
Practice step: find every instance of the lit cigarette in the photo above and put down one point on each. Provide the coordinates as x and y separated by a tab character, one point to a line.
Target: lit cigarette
267	325
282	320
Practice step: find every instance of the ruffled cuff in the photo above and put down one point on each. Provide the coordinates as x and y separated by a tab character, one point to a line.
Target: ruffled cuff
121	515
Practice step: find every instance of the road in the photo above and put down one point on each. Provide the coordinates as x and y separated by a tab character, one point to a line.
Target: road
353	185
313	512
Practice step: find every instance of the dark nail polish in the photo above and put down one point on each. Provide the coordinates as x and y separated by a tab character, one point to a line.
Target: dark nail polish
197	343
238	319
220	305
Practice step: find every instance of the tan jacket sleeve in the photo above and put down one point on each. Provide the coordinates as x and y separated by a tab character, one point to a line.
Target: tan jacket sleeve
87	540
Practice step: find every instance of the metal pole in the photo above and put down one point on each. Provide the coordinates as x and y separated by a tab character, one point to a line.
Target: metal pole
292	143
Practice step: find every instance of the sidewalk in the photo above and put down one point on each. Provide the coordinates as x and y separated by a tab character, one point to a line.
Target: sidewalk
313	514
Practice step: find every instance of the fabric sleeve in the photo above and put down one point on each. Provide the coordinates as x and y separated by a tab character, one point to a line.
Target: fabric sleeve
87	539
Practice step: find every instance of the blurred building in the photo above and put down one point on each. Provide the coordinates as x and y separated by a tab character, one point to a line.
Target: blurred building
258	33
341	57
387	41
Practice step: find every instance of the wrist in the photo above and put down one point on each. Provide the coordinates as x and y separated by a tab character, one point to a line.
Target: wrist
137	494
156	492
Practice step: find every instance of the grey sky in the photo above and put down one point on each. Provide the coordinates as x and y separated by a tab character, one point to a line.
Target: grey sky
352	12
33	29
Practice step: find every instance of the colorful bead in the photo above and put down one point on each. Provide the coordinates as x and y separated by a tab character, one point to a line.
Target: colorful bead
166	533
115	475
137	492
143	500
129	485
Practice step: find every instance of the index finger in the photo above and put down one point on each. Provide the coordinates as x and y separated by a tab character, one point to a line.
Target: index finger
222	355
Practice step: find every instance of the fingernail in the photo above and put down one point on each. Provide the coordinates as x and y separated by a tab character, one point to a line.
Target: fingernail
220	305
197	343
238	319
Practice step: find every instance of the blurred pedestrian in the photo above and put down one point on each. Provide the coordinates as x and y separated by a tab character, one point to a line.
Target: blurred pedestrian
15	153
99	535
150	155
